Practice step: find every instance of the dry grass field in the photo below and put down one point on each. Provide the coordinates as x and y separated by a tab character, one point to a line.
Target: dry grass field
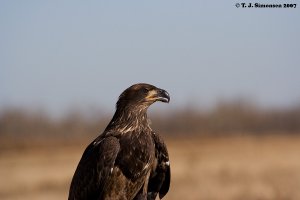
208	168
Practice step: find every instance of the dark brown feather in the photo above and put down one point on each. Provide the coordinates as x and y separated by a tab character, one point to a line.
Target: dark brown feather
160	180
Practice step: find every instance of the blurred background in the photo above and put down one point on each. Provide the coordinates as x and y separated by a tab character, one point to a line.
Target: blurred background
232	126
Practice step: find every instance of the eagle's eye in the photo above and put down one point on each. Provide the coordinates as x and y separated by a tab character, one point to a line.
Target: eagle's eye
145	90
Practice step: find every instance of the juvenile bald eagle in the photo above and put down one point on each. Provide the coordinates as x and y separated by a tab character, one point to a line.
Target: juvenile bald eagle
128	160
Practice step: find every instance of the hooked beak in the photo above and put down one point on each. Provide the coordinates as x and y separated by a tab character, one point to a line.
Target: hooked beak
162	95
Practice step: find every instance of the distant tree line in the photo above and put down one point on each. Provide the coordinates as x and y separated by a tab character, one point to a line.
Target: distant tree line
233	118
226	117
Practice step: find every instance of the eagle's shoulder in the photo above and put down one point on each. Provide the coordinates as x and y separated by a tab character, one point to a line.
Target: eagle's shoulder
94	168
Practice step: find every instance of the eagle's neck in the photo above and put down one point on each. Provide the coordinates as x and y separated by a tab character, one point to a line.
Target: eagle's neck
129	120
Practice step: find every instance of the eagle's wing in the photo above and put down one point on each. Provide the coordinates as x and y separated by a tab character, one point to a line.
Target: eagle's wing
93	169
160	180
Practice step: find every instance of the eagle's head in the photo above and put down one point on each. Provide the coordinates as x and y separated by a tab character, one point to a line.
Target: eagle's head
142	95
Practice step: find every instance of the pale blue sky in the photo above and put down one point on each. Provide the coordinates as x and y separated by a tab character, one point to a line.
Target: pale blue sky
59	54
